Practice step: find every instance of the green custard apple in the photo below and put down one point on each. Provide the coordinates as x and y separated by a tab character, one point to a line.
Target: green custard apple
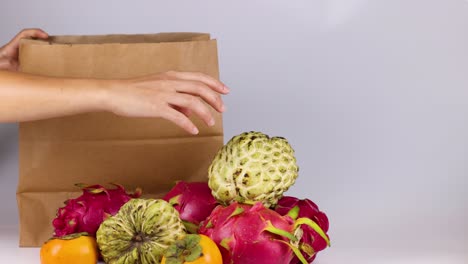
140	232
253	167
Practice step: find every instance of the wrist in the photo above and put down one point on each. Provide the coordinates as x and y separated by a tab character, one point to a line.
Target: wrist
105	94
93	93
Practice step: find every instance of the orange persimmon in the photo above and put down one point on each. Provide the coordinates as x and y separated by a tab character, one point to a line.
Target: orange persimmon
76	248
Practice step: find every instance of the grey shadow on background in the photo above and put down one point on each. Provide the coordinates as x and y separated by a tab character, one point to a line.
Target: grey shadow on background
8	144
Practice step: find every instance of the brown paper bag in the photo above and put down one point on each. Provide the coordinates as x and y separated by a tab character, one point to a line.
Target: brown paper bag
100	148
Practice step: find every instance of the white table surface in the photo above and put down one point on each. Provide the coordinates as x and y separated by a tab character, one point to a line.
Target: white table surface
340	254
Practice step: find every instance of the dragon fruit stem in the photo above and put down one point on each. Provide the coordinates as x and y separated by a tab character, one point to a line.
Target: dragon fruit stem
82	185
175	200
94	189
313	225
274	230
294	212
296	251
238	211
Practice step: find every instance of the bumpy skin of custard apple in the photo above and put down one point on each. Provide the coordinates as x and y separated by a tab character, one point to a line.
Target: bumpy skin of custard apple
140	232
252	167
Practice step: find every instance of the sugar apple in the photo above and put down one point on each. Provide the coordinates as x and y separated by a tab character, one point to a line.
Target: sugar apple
252	167
140	232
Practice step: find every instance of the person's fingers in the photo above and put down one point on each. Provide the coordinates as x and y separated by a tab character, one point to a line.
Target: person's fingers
194	104
11	49
14	65
179	119
183	110
200	89
201	77
31	33
8	64
195	88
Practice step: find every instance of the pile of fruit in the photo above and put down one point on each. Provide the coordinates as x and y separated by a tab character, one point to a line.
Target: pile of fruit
240	216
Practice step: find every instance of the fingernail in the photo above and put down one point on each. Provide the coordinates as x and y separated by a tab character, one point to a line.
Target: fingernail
226	88
195	131
211	122
223	108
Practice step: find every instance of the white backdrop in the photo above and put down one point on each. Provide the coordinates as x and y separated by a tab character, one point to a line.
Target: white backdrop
373	95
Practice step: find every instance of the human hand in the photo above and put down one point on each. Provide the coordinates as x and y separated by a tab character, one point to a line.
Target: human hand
9	52
172	95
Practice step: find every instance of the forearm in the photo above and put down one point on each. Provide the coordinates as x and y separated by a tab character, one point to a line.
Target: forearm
29	97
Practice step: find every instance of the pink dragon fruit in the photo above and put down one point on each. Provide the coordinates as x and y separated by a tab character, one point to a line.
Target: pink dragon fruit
253	234
311	241
194	202
88	211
